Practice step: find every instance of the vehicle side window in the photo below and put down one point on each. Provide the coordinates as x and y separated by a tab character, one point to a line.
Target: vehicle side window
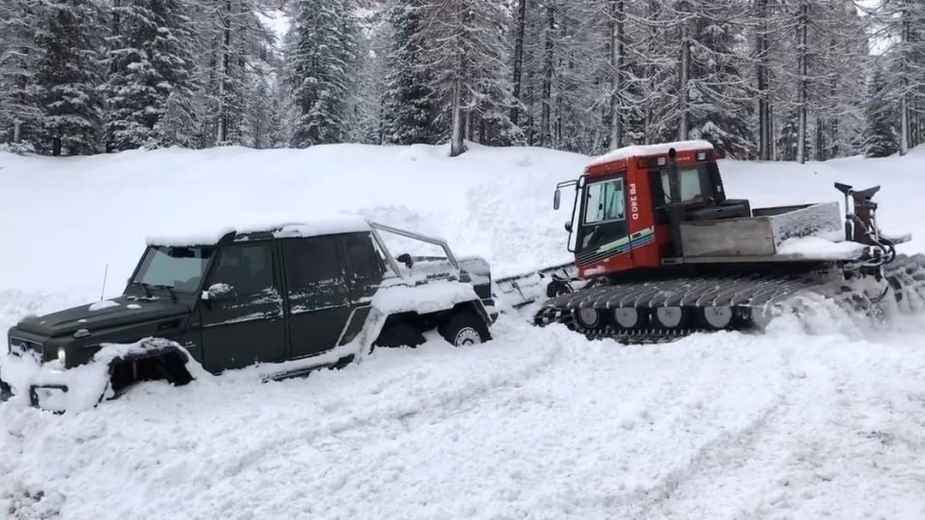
311	262
605	202
247	268
364	260
691	184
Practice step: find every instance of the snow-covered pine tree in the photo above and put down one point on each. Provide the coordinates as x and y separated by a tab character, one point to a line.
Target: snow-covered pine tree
319	60
468	53
762	41
902	22
880	139
258	126
365	106
177	124
837	101
819	47
68	74
582	77
20	116
150	62
719	96
231	42
408	114
653	71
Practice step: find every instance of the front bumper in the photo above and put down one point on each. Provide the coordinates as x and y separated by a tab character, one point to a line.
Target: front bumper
47	386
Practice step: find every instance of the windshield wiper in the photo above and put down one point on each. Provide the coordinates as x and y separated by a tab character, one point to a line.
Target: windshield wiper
146	287
173	295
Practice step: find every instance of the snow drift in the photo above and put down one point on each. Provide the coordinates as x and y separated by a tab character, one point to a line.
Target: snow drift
812	419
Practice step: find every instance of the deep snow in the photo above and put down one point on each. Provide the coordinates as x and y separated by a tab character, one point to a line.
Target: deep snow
797	423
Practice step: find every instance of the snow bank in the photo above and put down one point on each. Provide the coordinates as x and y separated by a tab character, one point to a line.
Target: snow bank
538	423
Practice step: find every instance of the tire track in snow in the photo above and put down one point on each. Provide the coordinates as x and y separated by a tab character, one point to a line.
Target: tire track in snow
717	445
443	402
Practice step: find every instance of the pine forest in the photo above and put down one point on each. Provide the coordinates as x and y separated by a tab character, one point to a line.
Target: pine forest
781	80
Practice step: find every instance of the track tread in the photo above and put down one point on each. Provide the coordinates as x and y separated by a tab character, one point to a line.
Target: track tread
746	294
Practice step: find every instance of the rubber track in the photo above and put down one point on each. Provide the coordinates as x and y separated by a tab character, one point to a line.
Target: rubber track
743	293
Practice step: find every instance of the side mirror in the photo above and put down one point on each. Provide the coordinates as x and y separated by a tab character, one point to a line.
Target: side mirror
568	227
218	292
556	199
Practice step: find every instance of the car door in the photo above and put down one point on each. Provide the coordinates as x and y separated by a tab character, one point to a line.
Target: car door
318	293
365	270
245	324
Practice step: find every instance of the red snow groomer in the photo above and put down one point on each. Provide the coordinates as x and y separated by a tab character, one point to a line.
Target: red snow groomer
660	251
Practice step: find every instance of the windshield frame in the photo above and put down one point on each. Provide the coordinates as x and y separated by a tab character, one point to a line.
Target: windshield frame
205	253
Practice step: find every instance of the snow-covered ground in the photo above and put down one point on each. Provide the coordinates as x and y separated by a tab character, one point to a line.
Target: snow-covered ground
539	423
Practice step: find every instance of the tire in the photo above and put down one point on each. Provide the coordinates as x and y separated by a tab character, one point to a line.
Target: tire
463	328
399	333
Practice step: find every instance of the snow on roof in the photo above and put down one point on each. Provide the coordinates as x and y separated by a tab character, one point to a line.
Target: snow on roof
319	227
647	150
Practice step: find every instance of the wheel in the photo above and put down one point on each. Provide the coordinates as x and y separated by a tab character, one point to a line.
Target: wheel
759	317
464	327
626	317
669	317
717	317
399	333
588	318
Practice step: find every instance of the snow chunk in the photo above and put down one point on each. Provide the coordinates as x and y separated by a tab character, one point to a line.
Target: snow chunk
432	297
105	304
653	149
86	384
323	227
817	247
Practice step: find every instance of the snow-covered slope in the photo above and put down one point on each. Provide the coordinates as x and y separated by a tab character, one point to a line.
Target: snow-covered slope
537	424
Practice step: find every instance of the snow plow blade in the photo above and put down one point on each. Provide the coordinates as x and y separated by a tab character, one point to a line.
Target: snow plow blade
521	290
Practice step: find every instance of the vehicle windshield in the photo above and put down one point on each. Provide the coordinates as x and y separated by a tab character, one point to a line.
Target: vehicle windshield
691	184
177	268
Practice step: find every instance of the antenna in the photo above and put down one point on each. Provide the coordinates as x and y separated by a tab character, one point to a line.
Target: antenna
105	274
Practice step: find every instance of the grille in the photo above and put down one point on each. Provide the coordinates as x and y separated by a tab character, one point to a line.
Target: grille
19	347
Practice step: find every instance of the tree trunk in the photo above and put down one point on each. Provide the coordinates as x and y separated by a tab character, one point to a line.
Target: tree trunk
684	120
545	119
764	115
905	128
616	63
17	131
519	58
222	130
802	28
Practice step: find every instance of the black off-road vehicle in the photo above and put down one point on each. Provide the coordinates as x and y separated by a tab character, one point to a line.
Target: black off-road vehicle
293	298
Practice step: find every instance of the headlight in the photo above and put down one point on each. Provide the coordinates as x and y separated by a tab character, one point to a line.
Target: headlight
62	356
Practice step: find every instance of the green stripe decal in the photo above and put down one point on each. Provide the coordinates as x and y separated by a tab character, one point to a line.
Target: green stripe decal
636	237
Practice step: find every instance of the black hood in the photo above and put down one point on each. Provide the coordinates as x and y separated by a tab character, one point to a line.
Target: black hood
110	313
